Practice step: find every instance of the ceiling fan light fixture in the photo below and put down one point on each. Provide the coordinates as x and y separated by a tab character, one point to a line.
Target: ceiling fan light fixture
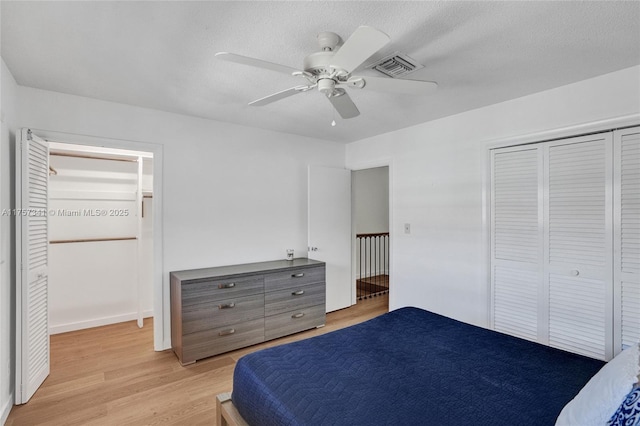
326	86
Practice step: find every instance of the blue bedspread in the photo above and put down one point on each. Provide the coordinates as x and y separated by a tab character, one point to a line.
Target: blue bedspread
409	367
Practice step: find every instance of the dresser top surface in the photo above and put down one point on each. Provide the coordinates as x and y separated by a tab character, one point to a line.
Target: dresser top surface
246	268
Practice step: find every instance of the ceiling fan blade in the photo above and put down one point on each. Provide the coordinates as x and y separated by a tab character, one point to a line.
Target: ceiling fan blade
344	105
245	60
280	95
364	42
386	84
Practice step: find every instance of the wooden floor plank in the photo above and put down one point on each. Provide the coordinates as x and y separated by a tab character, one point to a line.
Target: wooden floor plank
112	376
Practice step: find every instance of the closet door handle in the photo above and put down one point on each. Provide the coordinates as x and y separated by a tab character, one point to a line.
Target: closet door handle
227	305
301	274
298	315
575	272
228	285
227	332
298	293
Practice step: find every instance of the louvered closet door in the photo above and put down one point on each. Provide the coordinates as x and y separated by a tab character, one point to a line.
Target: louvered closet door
32	308
516	240
578	237
627	237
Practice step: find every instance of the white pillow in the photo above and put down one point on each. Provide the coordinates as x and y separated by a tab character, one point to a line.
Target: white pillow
603	394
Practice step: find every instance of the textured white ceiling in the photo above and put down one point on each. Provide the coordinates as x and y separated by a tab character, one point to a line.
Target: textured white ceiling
161	54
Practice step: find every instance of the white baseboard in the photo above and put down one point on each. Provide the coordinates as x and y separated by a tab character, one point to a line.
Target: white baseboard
6	409
97	322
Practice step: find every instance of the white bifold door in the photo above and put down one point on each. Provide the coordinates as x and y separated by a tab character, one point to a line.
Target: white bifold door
555	217
627	236
32	259
578	244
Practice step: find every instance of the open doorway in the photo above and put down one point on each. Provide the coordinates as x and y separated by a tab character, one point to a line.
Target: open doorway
370	189
100	236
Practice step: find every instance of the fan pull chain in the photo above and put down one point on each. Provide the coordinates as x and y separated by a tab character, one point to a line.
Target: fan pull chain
333	116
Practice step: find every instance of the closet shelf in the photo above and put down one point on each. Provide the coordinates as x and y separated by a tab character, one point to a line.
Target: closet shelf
92	240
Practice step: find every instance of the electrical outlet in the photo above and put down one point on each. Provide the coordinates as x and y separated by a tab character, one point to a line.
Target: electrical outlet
407	228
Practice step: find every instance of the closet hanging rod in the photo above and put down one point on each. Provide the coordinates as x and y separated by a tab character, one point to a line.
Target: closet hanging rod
92	240
94	157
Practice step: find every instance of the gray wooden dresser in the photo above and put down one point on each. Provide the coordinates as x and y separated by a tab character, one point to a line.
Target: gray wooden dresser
216	310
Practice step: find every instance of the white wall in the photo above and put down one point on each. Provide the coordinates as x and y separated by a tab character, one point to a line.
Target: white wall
370	188
8	89
437	186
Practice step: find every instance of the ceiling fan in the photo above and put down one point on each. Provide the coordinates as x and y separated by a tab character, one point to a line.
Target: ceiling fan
330	70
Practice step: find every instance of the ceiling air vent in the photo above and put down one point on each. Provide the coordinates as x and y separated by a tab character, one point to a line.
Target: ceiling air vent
397	65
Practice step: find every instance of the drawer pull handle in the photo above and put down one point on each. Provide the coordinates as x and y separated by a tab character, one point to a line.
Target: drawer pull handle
301	274
227	306
298	315
229	285
227	332
298	293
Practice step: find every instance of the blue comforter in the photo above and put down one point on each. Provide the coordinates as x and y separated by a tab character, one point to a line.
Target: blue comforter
409	367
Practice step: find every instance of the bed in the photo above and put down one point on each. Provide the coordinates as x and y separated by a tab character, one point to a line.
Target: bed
408	366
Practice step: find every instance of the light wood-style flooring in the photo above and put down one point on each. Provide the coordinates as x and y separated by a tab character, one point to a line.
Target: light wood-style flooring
112	376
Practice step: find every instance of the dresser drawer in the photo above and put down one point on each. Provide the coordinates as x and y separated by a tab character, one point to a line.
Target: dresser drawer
293	321
211	291
293	278
203	316
298	297
222	339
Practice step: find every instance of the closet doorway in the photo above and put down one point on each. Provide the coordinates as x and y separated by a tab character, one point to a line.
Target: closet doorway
100	236
33	263
370	198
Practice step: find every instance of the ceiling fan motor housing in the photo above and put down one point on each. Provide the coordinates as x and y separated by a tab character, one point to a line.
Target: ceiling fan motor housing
323	75
318	63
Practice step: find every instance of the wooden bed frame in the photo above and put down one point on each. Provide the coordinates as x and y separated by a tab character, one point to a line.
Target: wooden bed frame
227	414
